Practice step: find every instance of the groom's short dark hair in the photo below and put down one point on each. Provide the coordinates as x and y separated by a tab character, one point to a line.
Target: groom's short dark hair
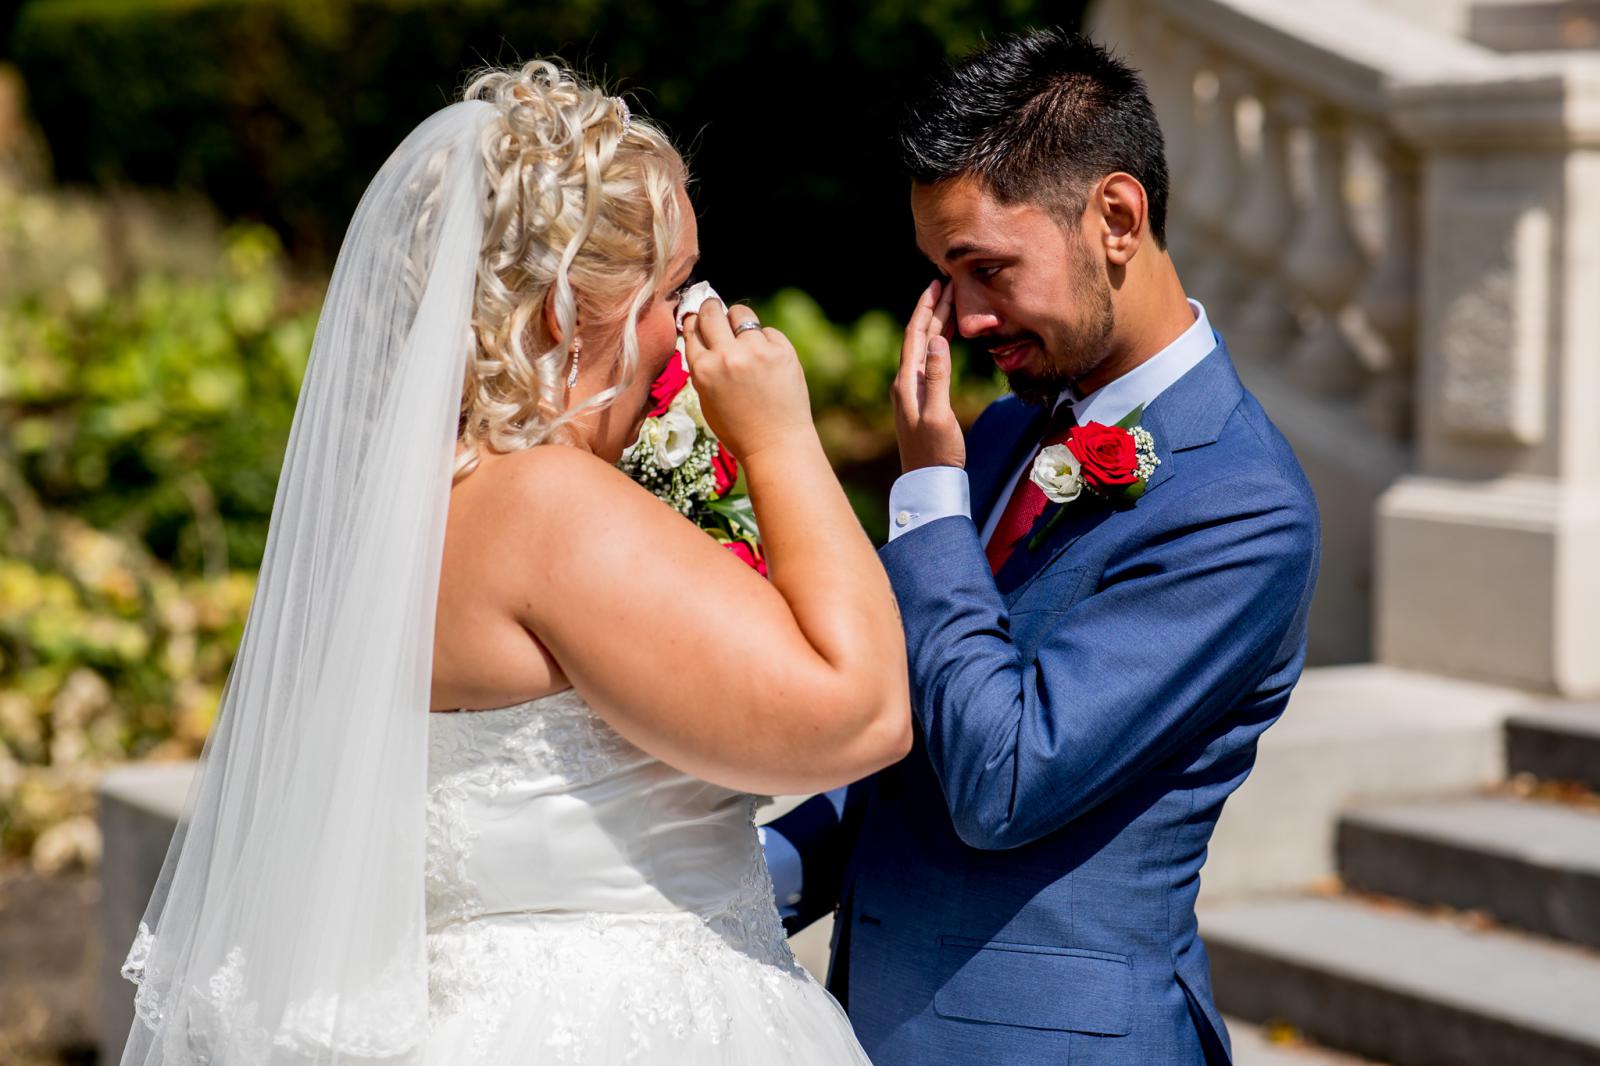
1038	117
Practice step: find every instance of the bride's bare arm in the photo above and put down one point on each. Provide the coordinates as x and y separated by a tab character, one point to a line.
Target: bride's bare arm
789	686
794	685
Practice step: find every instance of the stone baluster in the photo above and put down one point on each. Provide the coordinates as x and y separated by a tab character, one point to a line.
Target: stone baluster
1326	265
1170	76
1389	299
1215	191
1178	111
1266	325
1123	27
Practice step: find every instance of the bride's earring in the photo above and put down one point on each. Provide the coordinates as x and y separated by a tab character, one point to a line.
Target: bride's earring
572	374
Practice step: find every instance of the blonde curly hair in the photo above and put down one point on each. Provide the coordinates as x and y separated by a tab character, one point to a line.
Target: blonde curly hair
583	203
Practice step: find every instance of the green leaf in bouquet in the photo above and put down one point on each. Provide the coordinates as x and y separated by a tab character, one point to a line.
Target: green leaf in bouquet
740	515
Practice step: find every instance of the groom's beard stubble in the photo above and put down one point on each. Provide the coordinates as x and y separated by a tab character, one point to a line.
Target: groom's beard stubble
1082	343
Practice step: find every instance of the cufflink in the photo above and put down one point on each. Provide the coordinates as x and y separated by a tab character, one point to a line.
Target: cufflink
793	900
903	519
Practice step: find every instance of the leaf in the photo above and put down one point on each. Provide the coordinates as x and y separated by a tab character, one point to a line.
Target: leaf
1131	419
1044	531
740	515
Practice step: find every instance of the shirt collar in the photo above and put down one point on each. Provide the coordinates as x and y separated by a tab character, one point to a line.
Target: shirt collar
1111	402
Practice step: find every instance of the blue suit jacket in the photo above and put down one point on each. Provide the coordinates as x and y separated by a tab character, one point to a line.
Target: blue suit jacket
1021	887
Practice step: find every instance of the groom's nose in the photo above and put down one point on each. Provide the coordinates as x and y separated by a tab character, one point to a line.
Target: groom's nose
973	314
975	322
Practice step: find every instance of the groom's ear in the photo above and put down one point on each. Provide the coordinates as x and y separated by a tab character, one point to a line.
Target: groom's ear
1124	211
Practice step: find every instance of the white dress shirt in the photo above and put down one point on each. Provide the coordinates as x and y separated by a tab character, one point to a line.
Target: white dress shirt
933	492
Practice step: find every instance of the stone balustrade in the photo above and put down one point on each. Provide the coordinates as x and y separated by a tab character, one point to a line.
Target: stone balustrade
1393	225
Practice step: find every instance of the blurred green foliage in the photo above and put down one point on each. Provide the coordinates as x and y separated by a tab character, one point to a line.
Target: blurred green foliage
141	429
142	425
160	411
149	361
280	110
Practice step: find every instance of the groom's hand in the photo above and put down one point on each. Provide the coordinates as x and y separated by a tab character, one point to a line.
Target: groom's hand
924	422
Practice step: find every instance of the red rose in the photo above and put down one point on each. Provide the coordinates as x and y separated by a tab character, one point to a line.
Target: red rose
726	467
1107	454
668	385
747	556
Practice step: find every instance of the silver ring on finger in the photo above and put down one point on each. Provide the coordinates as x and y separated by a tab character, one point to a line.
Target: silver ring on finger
745	326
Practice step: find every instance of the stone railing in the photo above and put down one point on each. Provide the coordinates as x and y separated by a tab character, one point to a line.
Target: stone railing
1385	220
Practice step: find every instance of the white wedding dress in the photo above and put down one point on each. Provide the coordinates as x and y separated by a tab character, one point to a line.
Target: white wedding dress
589	904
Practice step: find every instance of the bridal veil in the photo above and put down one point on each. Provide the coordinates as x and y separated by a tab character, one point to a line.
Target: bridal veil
287	925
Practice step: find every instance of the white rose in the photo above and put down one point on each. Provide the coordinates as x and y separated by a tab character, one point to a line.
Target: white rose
671	437
688	402
1057	473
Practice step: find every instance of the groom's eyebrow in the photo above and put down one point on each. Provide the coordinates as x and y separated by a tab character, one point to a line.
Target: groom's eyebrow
957	252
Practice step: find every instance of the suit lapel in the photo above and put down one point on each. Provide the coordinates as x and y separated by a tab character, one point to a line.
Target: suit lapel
1189	414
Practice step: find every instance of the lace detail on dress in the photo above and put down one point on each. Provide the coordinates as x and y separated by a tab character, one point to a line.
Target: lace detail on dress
222	1023
749	921
617	981
485	752
558	735
145	1006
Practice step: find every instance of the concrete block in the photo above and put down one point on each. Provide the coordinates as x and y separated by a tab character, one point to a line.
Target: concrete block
1561	743
1351	733
1252	1047
139	809
1405	988
1532	865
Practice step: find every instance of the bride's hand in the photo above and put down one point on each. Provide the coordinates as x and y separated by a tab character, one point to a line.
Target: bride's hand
752	390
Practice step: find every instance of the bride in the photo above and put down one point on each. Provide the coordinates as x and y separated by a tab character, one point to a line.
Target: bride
568	872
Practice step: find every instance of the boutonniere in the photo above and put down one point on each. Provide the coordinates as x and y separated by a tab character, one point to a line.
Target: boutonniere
1112	462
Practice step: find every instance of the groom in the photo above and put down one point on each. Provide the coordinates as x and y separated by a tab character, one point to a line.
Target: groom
1089	678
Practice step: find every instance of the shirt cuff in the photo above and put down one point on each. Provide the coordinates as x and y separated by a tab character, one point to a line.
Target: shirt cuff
926	495
783	863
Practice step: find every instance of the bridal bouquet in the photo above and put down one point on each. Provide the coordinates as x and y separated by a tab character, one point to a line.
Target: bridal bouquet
678	458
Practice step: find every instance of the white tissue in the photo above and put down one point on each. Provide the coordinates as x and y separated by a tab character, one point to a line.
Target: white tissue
690	301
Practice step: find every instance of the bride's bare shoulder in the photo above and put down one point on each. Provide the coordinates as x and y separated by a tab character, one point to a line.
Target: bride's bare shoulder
552	486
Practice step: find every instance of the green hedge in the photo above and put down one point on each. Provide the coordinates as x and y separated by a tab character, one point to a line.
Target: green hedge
142	426
141	430
281	110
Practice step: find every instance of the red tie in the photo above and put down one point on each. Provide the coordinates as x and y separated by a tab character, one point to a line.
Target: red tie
1027	500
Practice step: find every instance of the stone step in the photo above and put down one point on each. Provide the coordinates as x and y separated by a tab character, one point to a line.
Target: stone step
1253	1047
1529	864
1351	733
1559	744
1402	987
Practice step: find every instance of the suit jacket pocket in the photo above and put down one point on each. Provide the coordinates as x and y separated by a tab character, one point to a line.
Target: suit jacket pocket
1055	590
1034	986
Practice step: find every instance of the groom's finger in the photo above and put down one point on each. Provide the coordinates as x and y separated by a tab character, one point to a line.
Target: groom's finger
942	319
915	345
936	378
913	351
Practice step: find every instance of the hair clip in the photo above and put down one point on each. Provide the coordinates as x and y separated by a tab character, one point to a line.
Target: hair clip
627	116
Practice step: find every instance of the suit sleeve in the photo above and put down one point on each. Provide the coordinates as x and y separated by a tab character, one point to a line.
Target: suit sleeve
1179	629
